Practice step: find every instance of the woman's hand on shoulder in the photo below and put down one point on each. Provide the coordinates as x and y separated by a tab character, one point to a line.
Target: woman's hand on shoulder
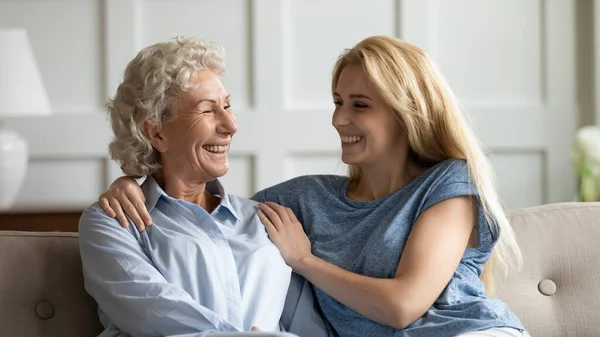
125	196
286	232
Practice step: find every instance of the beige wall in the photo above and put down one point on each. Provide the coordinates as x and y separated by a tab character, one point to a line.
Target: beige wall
522	69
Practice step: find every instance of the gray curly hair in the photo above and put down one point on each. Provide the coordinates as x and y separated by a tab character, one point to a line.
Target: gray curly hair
152	81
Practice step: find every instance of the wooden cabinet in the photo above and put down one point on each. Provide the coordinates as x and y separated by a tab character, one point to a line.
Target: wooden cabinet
41	221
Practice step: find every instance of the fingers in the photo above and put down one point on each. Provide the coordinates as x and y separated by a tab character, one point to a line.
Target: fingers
116	206
141	207
271	230
271	215
106	207
133	214
125	197
280	210
291	215
255	329
138	210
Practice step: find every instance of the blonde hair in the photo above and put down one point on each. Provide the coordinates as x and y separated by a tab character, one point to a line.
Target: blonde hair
408	81
152	81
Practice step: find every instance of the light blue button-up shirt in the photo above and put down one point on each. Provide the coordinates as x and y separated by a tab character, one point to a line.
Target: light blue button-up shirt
190	272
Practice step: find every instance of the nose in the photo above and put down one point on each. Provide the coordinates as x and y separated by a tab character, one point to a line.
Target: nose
341	117
227	123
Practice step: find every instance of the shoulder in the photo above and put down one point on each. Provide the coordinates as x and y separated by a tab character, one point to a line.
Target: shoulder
242	203
94	216
94	222
451	171
302	185
448	174
448	179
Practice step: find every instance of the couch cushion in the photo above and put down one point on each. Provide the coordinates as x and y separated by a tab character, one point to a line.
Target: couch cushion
557	293
41	287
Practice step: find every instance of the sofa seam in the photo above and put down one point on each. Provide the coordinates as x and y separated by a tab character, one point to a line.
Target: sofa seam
551	209
34	235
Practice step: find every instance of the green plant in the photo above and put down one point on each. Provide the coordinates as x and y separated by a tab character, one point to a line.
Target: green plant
585	157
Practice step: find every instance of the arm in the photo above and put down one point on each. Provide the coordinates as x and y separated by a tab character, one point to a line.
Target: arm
433	251
130	291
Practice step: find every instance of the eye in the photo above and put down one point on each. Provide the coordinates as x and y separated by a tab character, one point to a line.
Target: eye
207	111
360	106
227	107
337	103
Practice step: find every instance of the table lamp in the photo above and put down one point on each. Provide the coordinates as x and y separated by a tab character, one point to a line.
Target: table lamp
22	93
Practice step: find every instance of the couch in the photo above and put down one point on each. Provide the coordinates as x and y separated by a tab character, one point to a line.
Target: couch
557	292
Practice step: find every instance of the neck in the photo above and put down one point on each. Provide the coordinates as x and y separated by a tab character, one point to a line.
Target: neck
376	181
194	191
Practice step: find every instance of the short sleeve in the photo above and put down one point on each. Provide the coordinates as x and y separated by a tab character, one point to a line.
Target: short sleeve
455	181
268	194
448	191
260	196
452	181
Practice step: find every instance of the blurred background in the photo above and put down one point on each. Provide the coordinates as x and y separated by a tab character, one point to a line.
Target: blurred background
523	69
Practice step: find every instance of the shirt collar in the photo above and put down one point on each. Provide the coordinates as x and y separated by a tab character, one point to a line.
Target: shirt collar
152	192
216	188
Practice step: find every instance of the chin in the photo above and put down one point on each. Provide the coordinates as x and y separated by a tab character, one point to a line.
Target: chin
218	173
351	160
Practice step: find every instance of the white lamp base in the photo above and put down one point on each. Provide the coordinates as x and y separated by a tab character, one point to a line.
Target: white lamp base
13	166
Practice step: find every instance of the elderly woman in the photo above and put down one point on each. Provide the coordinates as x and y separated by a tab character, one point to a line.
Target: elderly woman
207	263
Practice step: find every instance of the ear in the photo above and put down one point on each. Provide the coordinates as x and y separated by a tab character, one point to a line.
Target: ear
155	136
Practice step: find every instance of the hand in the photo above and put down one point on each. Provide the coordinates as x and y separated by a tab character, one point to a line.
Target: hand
125	194
286	233
254	329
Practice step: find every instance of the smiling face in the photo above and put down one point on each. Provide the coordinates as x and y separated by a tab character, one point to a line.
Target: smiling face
369	131
195	143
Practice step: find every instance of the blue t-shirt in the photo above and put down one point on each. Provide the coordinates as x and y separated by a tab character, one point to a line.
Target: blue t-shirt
368	238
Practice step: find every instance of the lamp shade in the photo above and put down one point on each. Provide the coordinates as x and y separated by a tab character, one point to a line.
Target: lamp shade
22	91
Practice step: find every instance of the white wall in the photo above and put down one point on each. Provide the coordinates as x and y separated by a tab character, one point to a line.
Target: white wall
511	63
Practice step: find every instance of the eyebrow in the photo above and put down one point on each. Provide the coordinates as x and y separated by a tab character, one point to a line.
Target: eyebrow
210	100
355	96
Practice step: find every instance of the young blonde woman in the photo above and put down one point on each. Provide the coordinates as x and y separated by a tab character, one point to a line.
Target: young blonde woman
398	247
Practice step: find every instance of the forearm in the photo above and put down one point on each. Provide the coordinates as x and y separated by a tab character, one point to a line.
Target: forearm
385	301
169	314
145	304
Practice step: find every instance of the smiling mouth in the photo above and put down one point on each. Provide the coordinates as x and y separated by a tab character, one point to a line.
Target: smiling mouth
216	148
350	139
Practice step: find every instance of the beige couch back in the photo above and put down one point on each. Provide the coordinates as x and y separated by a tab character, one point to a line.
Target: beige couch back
556	294
41	287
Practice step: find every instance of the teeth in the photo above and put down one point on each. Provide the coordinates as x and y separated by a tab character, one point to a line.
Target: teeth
216	148
350	139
